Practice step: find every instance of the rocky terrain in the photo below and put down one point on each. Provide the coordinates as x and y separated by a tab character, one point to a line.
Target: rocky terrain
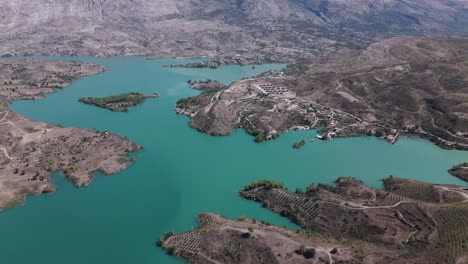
120	102
405	85
31	151
236	31
460	171
206	85
406	222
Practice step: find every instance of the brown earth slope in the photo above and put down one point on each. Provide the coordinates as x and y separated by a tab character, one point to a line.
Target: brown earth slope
407	222
30	151
403	85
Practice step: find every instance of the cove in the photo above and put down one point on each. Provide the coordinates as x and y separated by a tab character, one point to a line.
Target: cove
181	172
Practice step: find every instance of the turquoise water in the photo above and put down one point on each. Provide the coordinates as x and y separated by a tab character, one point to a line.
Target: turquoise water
181	172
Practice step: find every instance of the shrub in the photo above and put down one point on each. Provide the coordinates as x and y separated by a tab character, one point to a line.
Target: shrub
260	138
307	252
268	184
171	250
299	191
313	190
299	144
163	238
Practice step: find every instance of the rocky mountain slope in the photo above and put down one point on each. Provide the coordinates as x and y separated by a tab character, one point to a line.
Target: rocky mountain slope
262	30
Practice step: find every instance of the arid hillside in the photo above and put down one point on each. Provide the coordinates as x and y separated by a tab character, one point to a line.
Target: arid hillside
258	30
31	151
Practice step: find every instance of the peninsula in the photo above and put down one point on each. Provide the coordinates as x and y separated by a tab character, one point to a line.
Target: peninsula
120	102
205	85
400	86
31	151
299	144
406	222
460	171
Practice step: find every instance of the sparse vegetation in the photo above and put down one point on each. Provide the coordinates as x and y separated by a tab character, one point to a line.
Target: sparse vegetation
260	138
163	238
242	218
313	190
171	250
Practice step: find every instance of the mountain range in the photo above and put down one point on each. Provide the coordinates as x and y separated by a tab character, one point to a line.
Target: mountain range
267	30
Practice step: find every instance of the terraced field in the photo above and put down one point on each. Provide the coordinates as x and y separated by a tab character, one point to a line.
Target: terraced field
414	190
452	222
417	220
187	242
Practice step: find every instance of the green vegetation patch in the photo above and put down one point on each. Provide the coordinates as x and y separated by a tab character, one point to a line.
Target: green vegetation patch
299	144
307	252
185	103
420	191
461	165
269	184
118	103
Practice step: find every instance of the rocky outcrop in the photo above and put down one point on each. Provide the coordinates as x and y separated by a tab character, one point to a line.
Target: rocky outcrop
404	85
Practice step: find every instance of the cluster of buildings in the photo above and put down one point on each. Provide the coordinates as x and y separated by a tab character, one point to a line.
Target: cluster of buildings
269	88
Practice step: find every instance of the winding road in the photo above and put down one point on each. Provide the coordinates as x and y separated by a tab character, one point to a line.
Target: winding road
6	153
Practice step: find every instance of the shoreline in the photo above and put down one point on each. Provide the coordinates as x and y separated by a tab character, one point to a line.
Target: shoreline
77	152
387	220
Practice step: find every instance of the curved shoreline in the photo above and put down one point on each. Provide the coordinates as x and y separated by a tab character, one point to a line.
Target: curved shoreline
77	152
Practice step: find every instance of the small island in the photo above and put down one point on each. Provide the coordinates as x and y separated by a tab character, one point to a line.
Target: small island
120	102
460	171
299	144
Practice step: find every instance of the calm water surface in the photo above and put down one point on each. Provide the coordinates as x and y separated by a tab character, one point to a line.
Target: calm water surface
181	172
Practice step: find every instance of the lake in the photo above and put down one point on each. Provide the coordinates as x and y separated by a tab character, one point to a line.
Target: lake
181	172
